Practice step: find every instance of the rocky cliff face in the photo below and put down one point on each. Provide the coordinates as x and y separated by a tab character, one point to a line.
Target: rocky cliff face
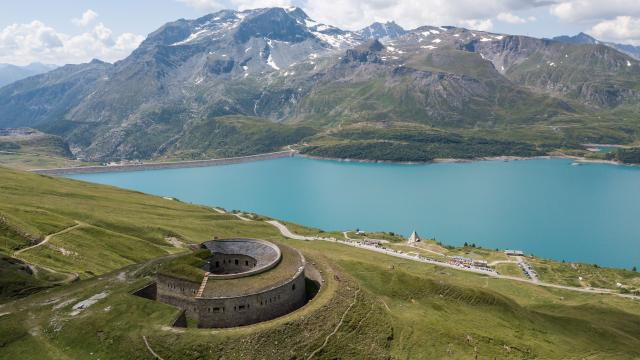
279	64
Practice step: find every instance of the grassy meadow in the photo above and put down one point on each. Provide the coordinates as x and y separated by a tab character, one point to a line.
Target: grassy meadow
369	306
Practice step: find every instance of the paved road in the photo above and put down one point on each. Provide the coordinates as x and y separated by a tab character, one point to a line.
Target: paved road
287	233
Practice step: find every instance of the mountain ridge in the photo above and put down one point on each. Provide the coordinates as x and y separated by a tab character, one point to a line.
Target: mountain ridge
582	38
10	73
279	65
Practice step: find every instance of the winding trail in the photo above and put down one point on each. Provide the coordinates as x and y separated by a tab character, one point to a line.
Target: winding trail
494	263
335	330
70	277
150	349
49	237
287	233
428	250
242	217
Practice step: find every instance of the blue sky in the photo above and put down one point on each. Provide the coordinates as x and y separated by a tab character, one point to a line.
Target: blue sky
57	32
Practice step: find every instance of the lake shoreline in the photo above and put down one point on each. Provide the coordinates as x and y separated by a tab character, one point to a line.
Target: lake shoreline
164	165
291	153
577	159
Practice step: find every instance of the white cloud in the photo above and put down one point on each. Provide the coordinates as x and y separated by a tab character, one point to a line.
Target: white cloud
477	24
513	19
86	18
255	4
35	41
205	5
212	5
355	14
594	10
624	29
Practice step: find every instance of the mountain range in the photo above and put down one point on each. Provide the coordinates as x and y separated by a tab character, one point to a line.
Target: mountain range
239	82
582	38
10	73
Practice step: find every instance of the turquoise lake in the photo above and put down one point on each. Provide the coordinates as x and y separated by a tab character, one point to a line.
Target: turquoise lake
588	213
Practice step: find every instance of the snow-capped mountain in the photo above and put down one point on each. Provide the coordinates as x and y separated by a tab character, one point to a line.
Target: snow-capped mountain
386	31
280	65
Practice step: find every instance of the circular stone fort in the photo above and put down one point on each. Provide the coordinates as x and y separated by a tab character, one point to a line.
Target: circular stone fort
234	282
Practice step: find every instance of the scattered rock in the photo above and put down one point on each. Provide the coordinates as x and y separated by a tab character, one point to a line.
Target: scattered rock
79	307
63	304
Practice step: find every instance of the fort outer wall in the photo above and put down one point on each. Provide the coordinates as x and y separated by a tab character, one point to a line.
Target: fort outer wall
164	165
178	292
233	311
253	308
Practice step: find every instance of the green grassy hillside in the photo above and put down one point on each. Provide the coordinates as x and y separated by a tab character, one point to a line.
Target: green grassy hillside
370	305
34	149
230	136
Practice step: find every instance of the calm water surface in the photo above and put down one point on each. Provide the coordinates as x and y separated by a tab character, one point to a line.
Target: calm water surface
588	213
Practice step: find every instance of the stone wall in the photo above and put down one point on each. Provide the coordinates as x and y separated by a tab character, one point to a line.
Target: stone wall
244	310
177	292
230	263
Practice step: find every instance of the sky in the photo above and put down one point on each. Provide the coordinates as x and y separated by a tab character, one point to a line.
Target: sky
75	31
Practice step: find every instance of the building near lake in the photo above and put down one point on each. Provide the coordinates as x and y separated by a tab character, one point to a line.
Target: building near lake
514	252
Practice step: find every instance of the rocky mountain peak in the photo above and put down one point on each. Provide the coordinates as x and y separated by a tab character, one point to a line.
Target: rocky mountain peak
272	23
377	30
580	38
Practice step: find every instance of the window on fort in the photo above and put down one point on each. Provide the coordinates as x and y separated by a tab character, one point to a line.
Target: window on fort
241	307
246	262
217	263
236	261
293	287
217	310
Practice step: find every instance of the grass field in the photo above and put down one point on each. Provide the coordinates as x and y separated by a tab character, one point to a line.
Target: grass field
593	276
370	305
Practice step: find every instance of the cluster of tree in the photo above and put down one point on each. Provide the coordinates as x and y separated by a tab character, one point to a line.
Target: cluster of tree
422	152
417	144
238	136
628	156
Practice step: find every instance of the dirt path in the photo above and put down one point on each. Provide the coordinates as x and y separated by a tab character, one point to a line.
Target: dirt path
493	263
49	237
429	250
242	217
335	330
150	349
34	267
287	233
